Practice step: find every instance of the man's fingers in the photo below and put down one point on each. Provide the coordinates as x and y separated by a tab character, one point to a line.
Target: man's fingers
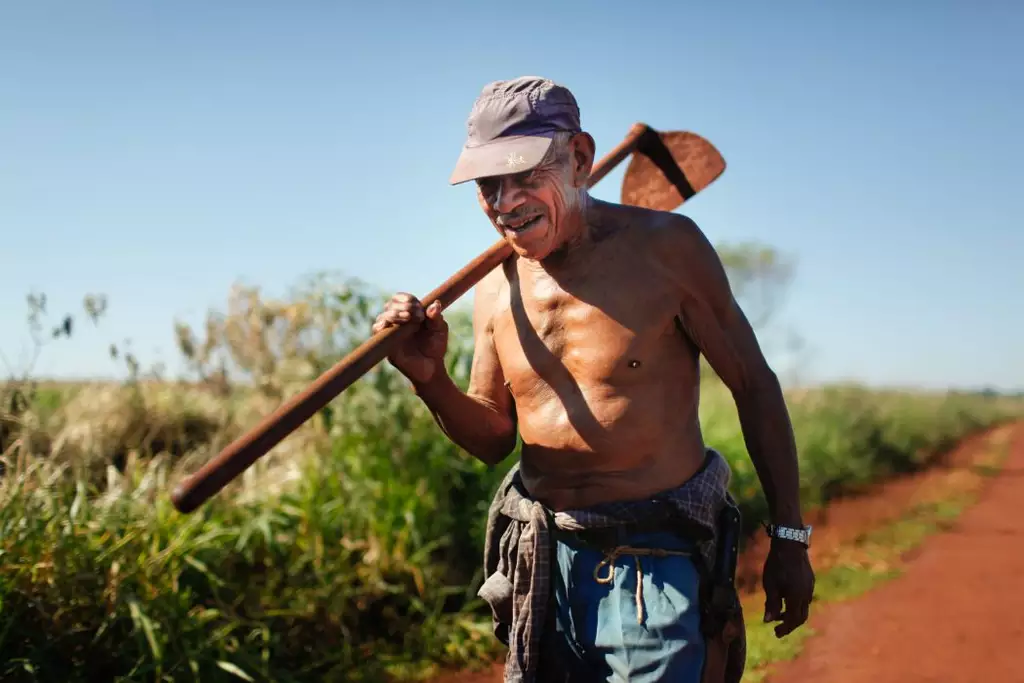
794	617
403	308
772	604
405	311
788	622
385	319
403	298
389	318
435	320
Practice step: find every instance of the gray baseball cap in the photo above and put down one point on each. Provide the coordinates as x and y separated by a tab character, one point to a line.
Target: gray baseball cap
511	125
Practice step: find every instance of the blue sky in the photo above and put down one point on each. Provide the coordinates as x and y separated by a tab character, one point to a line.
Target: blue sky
158	152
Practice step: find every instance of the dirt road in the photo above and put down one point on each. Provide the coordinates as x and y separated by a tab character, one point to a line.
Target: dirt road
956	615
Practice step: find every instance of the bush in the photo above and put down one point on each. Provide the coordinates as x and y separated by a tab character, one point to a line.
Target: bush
353	550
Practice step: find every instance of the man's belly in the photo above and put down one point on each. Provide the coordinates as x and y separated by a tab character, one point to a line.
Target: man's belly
609	451
559	492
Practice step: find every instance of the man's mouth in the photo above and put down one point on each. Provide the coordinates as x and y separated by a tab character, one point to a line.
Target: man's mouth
522	225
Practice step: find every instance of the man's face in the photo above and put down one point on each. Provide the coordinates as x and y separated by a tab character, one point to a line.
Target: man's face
530	209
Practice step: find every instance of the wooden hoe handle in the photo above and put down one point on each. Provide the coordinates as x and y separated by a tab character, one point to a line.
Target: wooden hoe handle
257	442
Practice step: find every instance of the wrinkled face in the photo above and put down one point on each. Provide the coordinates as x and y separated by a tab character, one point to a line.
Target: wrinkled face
536	211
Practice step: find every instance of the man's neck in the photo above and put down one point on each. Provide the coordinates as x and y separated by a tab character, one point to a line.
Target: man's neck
578	236
574	231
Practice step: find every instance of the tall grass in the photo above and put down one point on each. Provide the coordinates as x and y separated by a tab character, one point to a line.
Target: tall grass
353	551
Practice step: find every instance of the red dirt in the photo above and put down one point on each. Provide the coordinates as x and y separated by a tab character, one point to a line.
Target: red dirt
844	519
838	524
957	614
490	674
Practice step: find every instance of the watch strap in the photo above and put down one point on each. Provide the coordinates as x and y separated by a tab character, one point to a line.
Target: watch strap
802	536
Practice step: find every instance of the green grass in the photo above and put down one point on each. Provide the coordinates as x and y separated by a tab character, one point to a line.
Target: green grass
352	551
364	567
872	559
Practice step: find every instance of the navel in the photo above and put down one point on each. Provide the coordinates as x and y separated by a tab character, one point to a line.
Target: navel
634	363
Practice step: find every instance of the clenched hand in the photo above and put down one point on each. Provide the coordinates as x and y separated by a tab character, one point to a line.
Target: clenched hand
419	356
787	578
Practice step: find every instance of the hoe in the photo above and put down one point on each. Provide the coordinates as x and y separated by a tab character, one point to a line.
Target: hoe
666	170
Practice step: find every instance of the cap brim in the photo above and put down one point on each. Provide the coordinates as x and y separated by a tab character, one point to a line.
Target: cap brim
513	154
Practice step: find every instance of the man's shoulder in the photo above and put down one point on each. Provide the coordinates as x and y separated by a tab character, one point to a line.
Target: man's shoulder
665	233
671	245
673	229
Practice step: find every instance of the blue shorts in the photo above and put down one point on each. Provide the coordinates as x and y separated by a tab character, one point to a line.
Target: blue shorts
595	624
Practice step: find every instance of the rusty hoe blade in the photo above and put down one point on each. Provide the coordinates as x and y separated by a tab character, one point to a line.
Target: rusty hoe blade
670	168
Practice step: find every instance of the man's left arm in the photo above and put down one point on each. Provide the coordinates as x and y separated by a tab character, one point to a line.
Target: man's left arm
717	325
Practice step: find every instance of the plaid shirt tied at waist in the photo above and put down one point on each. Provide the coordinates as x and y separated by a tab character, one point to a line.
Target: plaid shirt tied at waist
518	549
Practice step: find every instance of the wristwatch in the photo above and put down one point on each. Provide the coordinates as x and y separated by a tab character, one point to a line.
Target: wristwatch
802	536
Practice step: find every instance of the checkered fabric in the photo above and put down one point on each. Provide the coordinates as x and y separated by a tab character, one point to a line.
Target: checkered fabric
518	549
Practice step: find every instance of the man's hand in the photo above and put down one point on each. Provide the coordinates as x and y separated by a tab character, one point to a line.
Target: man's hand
420	356
787	577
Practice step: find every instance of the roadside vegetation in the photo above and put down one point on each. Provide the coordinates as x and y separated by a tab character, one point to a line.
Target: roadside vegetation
353	550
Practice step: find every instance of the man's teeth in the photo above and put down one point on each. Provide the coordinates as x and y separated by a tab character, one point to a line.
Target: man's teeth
525	224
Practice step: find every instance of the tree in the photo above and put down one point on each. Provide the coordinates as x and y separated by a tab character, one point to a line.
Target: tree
760	276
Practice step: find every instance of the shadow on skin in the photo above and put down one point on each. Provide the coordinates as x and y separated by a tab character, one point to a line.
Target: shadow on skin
602	258
554	373
614	294
615	290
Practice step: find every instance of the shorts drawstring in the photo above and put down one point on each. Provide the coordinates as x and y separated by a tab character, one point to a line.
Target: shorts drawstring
613	555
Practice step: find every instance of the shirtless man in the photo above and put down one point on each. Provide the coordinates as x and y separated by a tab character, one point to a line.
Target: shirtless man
587	342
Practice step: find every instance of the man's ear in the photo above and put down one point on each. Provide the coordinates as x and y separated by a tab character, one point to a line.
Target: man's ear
581	148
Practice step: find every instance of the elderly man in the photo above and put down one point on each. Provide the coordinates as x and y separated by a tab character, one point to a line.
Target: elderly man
587	344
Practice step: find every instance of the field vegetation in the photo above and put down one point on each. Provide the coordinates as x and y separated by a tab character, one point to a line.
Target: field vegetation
353	550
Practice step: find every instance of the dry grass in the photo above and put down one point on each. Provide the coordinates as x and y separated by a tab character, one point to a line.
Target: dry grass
352	551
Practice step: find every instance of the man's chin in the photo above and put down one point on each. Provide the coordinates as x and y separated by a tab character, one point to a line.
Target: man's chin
532	243
535	250
530	254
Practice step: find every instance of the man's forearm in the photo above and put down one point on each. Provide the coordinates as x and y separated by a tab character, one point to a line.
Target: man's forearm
768	434
471	424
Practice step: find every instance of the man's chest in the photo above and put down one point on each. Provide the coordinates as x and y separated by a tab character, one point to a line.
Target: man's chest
611	332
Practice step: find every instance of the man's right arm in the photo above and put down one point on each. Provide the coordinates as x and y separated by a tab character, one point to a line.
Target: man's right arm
481	421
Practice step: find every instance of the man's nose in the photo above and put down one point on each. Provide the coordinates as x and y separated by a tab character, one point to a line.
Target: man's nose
507	196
